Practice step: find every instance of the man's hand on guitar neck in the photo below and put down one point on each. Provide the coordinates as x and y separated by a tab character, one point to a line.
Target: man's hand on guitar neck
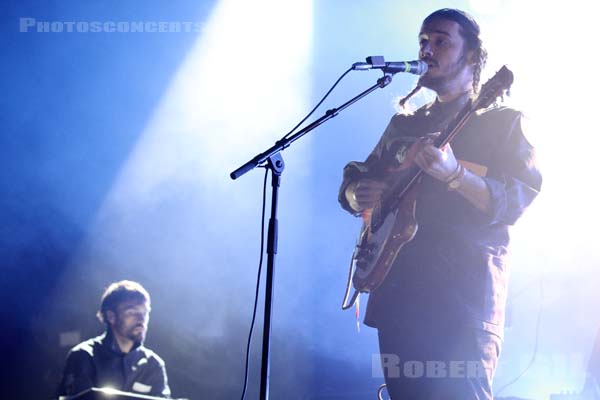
364	193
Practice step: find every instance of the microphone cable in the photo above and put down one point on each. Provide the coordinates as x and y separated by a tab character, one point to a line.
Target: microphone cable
318	104
262	234
260	261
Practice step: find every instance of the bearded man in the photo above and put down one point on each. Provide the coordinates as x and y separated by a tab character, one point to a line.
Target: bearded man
118	358
440	310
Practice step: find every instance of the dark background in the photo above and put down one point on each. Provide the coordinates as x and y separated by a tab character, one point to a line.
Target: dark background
96	189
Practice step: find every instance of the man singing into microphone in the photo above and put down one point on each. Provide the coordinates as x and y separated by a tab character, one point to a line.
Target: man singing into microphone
440	310
117	358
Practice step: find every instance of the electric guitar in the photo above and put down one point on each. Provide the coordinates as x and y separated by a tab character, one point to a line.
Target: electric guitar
391	224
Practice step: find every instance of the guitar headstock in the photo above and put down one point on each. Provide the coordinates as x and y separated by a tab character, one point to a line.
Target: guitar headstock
495	87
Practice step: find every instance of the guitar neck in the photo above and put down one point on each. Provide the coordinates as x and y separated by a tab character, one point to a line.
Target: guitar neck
396	193
456	125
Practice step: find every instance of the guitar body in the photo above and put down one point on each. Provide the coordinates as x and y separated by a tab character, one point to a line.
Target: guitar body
378	246
391	224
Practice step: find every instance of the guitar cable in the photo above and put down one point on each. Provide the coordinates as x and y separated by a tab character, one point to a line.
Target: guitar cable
535	346
380	390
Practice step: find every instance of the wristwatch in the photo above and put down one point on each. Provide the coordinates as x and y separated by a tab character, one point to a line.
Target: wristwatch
455	182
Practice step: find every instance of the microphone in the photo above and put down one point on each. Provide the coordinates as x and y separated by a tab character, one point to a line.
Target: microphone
416	67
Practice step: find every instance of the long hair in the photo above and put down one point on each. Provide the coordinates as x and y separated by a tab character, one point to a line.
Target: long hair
470	32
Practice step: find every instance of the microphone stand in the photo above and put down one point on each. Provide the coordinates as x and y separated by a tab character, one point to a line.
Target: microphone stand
271	158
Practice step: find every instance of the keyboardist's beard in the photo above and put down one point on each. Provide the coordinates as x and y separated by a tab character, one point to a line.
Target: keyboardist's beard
138	336
135	333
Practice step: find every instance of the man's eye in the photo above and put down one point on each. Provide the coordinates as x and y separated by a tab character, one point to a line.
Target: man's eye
133	313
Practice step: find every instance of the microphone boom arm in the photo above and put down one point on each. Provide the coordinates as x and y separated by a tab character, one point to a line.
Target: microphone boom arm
280	145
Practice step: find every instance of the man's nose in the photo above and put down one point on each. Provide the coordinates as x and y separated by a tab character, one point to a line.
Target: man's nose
141	316
425	50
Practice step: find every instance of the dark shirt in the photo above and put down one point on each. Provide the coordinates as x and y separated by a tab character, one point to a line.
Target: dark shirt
98	362
454	270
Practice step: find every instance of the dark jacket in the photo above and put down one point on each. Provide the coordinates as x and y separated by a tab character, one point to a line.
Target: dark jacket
455	269
98	362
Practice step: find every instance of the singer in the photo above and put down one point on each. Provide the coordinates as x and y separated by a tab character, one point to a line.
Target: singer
440	310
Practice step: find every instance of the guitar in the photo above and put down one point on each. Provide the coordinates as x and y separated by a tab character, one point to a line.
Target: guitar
391	224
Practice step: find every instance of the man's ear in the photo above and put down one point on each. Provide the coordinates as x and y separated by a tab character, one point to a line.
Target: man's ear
111	317
471	59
